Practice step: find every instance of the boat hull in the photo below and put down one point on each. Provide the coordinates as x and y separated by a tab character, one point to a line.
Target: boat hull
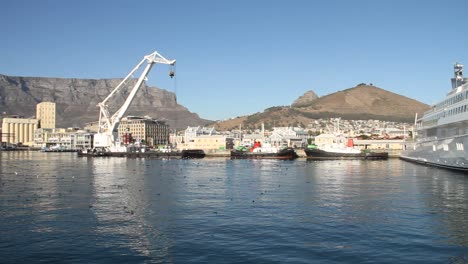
192	154
321	154
184	154
58	150
284	154
446	153
149	154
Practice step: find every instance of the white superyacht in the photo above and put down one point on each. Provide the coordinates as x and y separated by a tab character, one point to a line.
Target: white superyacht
441	136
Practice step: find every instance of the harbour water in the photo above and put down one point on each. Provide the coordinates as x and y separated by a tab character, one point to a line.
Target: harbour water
60	208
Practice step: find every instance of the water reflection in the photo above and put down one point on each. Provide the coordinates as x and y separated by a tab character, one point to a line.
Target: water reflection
59	207
128	208
42	196
422	202
447	198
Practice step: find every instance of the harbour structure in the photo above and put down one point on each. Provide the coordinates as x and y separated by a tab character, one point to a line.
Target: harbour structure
107	135
18	130
441	137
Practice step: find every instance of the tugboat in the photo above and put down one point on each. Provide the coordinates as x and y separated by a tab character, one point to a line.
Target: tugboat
441	137
264	152
315	153
192	154
338	151
92	153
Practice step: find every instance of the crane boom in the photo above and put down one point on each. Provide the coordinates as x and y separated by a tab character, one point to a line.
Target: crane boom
109	124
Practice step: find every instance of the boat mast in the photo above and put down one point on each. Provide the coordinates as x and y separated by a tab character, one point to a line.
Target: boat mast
458	78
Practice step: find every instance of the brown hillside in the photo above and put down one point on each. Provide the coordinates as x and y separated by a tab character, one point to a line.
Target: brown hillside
359	103
366	100
230	124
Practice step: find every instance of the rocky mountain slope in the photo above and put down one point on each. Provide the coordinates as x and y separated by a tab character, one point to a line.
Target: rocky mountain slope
76	100
359	103
306	99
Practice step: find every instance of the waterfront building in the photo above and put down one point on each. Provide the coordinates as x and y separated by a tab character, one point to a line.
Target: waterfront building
61	137
92	127
325	139
289	136
208	142
18	130
205	138
394	147
391	132
176	138
81	140
193	132
249	139
144	130
45	113
41	136
70	138
379	144
235	135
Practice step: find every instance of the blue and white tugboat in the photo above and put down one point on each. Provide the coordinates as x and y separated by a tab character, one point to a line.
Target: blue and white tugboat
441	136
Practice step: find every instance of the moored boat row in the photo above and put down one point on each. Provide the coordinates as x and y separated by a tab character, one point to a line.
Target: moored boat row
284	153
184	154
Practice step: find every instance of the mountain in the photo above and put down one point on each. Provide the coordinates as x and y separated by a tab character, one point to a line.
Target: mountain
76	100
306	99
362	102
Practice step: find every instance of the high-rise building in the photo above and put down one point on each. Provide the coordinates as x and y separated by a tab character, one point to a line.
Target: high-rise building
45	113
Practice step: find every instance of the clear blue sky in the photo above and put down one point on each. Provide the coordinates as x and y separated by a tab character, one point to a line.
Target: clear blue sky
240	57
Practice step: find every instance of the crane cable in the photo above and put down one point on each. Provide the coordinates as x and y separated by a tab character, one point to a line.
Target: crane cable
172	74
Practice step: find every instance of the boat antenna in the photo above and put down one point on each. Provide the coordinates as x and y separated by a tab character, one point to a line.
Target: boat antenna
458	71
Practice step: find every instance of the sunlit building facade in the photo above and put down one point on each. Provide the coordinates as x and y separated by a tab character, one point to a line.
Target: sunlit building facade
18	130
144	130
45	113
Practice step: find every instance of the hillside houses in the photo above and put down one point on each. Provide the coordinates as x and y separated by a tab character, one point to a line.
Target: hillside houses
209	138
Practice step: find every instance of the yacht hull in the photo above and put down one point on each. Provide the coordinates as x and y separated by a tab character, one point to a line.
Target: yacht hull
446	153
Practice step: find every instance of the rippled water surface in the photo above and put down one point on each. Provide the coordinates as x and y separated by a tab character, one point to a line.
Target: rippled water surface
56	207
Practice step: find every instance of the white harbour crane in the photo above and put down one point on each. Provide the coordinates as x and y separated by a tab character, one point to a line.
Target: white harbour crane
106	137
